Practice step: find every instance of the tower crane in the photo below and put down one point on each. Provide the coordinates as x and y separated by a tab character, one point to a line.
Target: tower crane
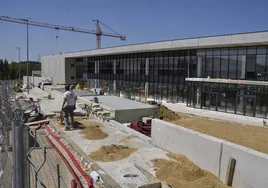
98	31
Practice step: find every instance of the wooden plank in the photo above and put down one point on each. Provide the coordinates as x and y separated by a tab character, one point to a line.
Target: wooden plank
230	171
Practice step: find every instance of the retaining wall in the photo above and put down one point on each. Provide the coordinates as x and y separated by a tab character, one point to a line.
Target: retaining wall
251	169
213	154
203	150
127	130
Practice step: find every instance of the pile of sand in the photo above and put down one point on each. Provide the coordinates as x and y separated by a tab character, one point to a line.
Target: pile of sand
168	115
180	172
111	153
93	133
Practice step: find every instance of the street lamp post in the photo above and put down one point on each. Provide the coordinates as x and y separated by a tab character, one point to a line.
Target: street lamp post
27	57
19	61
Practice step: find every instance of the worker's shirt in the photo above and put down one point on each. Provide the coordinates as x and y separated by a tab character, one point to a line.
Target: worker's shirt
70	98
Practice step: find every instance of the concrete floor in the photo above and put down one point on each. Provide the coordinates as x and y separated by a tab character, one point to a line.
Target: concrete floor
143	156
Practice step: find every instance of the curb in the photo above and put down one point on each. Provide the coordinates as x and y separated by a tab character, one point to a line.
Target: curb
109	182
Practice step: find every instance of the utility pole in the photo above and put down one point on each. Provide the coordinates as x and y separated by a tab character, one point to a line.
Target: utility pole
19	60
27	21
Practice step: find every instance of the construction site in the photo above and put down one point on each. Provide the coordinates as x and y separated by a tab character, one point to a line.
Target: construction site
151	115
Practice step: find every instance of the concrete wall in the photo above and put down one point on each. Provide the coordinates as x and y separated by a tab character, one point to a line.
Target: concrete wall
132	115
213	154
251	166
70	70
54	67
201	42
202	149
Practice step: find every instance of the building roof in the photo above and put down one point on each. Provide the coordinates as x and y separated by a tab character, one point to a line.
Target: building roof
230	40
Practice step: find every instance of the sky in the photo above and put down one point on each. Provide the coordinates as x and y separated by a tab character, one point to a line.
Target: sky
139	20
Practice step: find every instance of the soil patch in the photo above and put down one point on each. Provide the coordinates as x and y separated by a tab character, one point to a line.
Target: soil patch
180	172
253	137
168	115
93	133
112	153
127	138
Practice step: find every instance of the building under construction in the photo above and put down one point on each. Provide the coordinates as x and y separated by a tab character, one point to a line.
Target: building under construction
225	73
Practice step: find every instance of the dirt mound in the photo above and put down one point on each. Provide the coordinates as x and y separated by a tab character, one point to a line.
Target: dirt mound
112	153
168	115
93	133
180	172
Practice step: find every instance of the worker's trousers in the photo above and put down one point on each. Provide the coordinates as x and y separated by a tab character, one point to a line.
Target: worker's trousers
68	110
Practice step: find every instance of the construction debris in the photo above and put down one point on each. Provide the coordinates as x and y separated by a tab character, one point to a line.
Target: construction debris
112	153
180	172
17	89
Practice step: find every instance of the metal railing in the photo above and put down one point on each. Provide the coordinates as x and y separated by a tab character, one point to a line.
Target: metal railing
7	107
15	148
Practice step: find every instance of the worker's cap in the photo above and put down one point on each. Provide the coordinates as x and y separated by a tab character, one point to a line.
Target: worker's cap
67	87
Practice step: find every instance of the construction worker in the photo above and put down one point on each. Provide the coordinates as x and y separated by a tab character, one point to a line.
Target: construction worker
68	107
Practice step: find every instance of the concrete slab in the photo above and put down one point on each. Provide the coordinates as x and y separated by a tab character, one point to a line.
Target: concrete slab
118	103
144	154
77	92
182	108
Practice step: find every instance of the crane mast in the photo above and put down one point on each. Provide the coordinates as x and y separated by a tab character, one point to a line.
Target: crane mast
98	31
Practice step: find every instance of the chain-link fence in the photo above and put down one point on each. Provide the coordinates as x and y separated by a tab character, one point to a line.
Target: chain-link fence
6	117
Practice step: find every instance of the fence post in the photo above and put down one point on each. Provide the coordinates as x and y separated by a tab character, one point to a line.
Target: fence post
26	163
18	167
20	142
58	174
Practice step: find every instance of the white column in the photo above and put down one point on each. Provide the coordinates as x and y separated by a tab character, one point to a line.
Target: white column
199	75
243	68
97	71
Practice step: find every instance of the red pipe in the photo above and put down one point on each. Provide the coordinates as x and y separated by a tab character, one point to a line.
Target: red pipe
76	179
73	184
89	181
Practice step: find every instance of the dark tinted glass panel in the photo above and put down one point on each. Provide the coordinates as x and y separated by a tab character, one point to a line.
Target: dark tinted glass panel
260	67
232	66
251	65
224	66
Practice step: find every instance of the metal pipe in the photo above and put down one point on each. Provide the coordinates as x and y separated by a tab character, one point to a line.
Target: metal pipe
58	173
19	60
27	56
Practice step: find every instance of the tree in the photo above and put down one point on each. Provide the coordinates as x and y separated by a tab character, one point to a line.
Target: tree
6	70
1	70
13	69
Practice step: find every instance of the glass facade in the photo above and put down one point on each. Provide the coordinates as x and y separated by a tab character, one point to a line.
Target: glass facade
165	72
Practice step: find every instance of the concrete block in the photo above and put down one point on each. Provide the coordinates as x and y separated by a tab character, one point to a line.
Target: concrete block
203	150
251	166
